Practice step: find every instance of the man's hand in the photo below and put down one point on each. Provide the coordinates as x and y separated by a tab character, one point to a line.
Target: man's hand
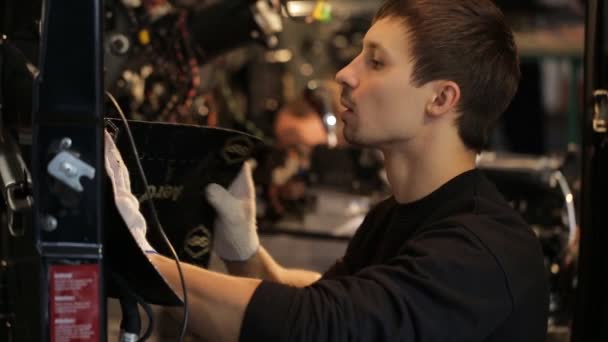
236	237
127	204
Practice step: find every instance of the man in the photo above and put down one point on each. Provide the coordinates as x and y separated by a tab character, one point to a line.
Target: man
443	259
298	129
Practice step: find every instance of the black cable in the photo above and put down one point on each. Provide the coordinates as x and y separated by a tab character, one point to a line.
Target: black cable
131	321
148	309
155	215
126	291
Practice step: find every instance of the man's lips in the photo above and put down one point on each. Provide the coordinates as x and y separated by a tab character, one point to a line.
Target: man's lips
347	104
346	113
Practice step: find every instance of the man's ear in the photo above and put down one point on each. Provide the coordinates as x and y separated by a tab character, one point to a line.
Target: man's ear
445	99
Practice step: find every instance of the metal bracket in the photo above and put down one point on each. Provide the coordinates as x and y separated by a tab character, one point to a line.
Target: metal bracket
600	111
68	169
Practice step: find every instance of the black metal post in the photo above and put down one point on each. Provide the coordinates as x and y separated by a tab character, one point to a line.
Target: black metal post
67	171
591	312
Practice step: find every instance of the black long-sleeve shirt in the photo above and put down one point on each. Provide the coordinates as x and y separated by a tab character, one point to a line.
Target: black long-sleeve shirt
457	265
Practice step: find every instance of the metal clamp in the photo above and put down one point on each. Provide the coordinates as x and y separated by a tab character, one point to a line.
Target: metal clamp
600	111
68	169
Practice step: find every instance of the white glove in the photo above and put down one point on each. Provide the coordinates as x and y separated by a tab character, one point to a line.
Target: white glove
235	229
127	204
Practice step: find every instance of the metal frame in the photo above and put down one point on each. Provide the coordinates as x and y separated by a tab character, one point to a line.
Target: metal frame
67	136
591	312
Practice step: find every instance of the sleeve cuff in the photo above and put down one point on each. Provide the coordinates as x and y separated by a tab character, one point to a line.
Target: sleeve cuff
267	312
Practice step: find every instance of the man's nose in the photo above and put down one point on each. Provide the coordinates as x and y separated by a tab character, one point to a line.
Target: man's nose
347	77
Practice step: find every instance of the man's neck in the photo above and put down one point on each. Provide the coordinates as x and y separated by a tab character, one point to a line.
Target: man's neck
414	174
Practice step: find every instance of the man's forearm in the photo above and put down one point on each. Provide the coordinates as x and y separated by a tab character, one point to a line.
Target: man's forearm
217	302
262	266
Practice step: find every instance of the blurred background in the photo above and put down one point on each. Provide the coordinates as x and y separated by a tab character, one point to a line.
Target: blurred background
267	68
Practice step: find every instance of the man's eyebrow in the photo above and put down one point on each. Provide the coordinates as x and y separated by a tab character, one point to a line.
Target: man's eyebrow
372	45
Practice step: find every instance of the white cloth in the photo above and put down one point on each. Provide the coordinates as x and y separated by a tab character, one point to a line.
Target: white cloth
235	228
126	202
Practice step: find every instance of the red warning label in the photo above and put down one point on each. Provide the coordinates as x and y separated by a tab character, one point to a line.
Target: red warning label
74	302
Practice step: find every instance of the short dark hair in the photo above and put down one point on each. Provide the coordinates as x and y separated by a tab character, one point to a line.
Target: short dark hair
468	42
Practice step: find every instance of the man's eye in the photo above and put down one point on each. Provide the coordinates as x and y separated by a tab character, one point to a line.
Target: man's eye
375	64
